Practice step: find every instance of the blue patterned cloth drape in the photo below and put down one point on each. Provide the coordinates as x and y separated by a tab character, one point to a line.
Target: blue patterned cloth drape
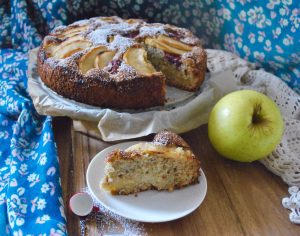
265	32
30	192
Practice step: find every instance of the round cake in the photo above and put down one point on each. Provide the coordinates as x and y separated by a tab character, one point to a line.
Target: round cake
116	63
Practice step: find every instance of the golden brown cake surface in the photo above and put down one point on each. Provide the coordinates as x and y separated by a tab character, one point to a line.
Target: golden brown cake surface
111	62
167	163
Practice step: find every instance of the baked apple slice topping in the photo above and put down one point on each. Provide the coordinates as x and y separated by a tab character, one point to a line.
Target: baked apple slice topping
169	45
68	48
108	19
175	43
98	57
134	21
54	47
137	58
103	59
72	31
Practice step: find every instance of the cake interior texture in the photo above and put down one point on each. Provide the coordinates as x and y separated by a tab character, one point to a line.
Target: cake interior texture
150	166
177	71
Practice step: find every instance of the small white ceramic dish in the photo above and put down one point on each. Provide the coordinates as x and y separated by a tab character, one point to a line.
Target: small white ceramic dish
81	204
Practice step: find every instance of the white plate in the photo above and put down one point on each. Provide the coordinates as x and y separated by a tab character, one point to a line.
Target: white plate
148	206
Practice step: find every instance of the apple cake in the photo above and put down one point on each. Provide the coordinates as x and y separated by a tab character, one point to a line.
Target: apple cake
166	163
117	63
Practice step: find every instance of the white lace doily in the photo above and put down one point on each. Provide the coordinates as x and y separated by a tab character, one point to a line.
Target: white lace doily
293	204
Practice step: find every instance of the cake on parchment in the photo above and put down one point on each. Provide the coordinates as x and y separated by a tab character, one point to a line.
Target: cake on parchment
117	63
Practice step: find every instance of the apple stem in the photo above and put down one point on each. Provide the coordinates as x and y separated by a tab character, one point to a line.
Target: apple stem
257	116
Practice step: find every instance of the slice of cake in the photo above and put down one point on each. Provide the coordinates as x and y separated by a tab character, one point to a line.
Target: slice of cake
166	163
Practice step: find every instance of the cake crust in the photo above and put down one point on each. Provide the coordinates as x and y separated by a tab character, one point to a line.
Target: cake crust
99	89
169	138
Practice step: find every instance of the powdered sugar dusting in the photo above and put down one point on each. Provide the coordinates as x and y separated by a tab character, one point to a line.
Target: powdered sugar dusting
191	40
99	36
103	31
58	28
151	30
111	223
127	68
53	62
121	43
119	27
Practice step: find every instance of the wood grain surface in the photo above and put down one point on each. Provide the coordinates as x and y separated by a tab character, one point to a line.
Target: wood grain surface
242	198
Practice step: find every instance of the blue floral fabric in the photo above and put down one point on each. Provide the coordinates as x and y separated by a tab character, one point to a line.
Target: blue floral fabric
264	32
30	192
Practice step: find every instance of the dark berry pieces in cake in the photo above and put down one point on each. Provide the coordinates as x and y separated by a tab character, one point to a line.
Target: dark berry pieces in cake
176	34
132	34
115	64
174	59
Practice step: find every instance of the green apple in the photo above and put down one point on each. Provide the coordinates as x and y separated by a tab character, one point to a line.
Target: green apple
245	126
